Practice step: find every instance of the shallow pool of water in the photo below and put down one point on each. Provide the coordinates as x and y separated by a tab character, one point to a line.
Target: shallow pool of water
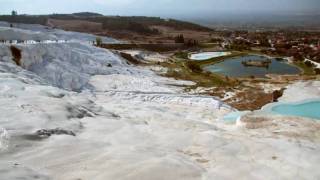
233	67
234	116
207	55
308	109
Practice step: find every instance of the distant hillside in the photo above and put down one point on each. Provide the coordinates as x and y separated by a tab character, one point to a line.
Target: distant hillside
25	19
82	22
263	21
87	14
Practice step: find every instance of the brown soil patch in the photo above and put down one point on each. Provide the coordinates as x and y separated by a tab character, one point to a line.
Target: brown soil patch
250	100
16	53
76	25
129	58
166	35
188	34
244	98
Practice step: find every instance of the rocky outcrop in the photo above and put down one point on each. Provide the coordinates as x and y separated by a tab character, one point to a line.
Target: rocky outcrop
45	133
254	63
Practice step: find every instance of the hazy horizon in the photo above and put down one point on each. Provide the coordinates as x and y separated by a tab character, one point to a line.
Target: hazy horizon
163	8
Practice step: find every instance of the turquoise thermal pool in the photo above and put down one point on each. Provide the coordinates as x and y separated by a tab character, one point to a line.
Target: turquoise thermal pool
207	55
309	109
234	67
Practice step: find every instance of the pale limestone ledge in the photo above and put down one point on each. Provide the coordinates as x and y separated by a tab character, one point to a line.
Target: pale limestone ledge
289	127
300	91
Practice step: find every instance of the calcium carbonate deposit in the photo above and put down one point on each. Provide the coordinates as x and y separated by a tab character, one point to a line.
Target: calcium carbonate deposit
73	111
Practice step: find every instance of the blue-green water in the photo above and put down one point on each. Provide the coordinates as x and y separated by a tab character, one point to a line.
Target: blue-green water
233	67
207	55
309	109
234	116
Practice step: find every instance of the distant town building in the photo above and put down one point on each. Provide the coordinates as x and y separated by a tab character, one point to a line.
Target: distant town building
14	13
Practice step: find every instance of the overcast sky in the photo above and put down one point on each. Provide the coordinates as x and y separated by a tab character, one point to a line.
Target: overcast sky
164	8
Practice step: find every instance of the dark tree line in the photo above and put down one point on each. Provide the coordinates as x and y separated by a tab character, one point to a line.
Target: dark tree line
179	39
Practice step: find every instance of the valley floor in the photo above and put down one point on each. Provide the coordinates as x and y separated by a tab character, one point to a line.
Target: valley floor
73	111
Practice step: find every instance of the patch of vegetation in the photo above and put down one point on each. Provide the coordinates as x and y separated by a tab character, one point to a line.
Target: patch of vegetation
240	45
98	41
139	24
181	25
191	43
308	64
207	45
305	68
194	67
16	53
115	24
24	19
157	21
179	39
129	58
279	59
191	71
216	40
87	14
148	47
182	55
